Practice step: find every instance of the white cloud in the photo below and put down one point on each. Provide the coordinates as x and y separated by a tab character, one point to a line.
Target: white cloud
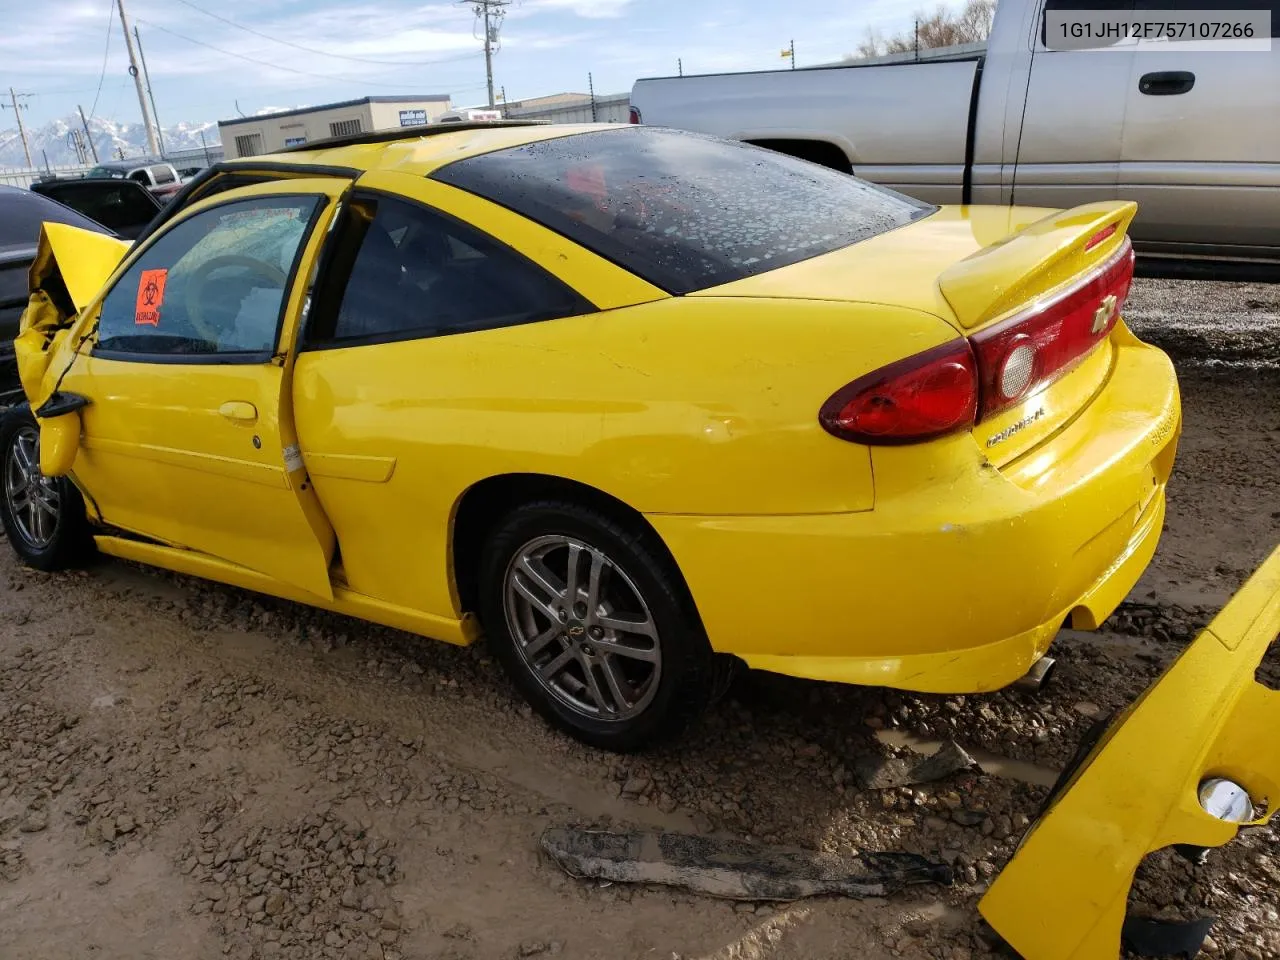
590	9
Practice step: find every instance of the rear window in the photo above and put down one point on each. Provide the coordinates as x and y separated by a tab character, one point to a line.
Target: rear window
120	205
22	212
682	210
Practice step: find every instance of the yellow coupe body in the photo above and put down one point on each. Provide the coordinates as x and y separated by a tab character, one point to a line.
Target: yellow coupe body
363	472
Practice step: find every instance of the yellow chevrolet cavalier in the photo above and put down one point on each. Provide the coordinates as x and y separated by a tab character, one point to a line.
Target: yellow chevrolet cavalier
636	402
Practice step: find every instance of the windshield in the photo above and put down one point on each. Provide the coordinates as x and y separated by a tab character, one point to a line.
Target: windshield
105	173
683	210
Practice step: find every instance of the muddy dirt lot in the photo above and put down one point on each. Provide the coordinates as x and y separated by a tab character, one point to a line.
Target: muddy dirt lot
188	771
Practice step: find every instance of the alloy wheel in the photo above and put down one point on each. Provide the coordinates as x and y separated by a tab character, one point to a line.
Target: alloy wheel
582	628
32	498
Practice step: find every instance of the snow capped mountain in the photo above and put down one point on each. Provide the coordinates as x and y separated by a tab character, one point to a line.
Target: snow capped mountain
110	137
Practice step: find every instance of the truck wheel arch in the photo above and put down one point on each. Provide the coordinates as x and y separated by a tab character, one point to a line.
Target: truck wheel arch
816	151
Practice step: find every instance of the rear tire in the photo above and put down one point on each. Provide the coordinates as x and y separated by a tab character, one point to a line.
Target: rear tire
44	518
612	653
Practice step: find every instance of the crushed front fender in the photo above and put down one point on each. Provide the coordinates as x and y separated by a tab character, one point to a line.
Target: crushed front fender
70	266
1063	894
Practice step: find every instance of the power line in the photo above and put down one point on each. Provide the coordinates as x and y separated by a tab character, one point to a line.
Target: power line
490	13
17	115
324	53
111	17
275	66
152	146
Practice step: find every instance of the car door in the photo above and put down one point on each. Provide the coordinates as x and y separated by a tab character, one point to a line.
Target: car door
1069	146
400	371
1201	148
188	438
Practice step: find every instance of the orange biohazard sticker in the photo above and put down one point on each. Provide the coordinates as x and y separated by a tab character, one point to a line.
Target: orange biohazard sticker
146	311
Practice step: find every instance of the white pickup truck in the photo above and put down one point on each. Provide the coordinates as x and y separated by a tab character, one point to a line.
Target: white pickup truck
1193	135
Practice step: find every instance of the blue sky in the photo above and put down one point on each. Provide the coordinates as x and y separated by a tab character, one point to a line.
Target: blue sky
56	49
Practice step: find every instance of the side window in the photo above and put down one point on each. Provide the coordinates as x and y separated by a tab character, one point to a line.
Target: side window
141	176
1226	6
248	145
344	128
399	271
1100	6
214	284
162	174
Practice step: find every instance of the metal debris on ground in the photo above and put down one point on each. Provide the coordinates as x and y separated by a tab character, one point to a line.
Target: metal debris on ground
734	869
882	773
1155	938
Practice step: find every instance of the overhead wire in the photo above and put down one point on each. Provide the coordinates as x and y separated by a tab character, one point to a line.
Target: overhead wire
111	16
276	66
326	53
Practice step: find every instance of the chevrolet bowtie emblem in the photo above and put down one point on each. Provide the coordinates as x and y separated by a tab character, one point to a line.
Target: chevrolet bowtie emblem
1106	310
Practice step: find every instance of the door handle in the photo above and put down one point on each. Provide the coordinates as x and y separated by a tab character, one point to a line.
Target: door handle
1166	83
239	410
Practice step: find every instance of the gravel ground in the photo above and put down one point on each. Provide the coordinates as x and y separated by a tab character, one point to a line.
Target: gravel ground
190	771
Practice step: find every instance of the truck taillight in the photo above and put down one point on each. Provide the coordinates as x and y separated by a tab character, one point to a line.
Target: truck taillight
1022	355
633	116
920	398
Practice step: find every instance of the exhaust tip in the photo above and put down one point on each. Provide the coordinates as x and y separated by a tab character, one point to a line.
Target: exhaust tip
1035	679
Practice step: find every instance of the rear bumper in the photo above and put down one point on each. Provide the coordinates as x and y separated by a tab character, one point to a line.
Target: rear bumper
959	578
1063	894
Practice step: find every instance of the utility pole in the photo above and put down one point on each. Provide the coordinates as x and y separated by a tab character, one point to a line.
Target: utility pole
491	12
137	82
591	88
504	102
17	109
87	135
793	54
680	65
206	148
75	140
146	75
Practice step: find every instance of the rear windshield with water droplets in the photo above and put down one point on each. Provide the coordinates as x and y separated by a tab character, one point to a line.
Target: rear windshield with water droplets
682	210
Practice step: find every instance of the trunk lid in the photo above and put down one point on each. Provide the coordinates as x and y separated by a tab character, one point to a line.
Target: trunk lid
984	271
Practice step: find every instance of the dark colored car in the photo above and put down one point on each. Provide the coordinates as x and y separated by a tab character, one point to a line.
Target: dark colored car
21	213
124	206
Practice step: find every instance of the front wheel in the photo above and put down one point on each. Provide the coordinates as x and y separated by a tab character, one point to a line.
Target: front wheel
43	517
594	626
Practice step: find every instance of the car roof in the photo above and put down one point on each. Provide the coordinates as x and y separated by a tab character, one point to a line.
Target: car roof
418	151
22	212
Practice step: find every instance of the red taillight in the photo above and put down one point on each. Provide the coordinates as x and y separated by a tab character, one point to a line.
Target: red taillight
1025	353
633	115
922	397
952	386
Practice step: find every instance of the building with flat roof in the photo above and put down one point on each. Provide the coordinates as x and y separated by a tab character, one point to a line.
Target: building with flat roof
571	108
269	132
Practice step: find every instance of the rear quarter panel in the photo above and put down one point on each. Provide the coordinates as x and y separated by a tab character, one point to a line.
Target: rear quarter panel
691	406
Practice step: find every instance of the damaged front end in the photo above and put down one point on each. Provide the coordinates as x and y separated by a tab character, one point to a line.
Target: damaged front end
1194	759
70	268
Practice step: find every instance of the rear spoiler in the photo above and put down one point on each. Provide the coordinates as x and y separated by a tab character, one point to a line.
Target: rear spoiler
1043	256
